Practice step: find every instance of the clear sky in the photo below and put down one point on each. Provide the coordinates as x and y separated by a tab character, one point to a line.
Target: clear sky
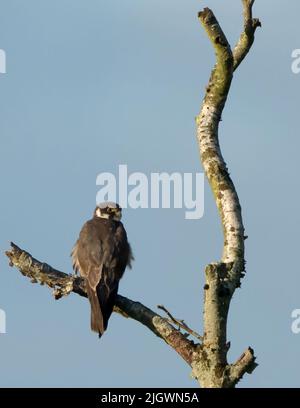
93	84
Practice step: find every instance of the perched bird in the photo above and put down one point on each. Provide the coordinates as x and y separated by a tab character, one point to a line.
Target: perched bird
101	255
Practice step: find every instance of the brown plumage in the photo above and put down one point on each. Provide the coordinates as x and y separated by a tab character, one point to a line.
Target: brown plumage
101	255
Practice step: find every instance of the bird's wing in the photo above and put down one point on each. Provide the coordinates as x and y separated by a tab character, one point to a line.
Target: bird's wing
123	247
74	256
90	254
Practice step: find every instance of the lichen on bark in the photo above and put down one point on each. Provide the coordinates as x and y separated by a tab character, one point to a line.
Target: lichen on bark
222	278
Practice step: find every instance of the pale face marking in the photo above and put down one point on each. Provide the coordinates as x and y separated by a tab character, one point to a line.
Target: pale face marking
116	215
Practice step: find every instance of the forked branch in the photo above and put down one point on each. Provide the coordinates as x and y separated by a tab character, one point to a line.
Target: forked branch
223	277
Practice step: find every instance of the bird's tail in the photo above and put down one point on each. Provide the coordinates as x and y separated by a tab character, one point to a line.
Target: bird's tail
107	297
97	323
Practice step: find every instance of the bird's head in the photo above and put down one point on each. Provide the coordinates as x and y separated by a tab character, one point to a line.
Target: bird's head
109	211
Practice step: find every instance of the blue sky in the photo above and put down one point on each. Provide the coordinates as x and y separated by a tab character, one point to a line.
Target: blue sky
94	84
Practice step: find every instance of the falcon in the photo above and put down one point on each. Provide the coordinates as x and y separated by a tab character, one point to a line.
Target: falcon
101	255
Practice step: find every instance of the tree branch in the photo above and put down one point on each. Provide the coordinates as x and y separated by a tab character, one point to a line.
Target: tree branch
63	284
245	364
181	323
221	278
247	37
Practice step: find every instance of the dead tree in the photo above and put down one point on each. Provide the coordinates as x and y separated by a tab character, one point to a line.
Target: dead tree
208	355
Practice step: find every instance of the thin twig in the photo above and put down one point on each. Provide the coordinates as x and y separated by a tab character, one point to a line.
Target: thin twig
180	323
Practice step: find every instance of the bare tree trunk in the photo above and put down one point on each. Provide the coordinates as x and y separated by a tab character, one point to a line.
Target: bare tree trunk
207	357
222	278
